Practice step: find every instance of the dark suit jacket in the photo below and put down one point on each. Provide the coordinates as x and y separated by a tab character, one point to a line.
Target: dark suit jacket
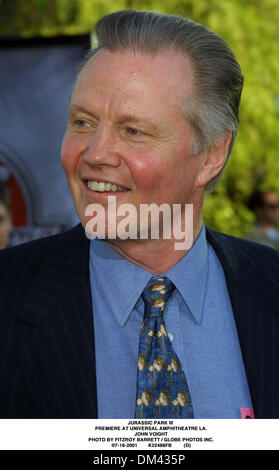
47	360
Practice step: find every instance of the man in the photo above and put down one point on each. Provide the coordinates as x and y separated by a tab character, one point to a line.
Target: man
265	206
5	216
152	119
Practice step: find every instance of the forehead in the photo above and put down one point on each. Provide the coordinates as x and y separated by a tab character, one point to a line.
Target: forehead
165	78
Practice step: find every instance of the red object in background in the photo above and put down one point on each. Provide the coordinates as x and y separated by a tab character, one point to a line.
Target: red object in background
18	206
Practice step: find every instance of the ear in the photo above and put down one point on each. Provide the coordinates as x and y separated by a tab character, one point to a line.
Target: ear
213	161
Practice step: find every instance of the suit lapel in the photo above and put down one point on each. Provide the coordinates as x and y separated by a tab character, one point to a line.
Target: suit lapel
56	322
254	298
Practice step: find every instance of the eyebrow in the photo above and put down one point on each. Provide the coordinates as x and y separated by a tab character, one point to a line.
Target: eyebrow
137	119
77	107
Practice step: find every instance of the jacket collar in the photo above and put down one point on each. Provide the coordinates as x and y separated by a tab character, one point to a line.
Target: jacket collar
241	263
60	267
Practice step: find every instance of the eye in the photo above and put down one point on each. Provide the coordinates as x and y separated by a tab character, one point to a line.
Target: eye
133	132
81	123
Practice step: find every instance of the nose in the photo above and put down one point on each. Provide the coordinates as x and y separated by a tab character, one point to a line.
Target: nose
102	149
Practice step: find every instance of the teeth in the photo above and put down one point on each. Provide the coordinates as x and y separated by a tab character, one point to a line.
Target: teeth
102	186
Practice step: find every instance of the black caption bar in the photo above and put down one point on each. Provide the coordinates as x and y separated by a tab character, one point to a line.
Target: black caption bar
126	459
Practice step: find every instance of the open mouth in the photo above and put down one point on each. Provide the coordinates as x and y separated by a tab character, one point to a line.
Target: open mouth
104	186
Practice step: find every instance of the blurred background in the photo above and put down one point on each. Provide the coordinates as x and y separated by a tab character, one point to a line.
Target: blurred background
41	45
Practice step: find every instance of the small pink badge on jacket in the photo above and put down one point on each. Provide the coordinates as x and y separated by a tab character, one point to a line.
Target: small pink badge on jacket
247	413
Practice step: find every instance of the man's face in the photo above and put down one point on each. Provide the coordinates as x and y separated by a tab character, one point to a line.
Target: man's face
5	226
126	127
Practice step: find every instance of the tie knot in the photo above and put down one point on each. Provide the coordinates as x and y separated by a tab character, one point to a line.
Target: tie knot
156	294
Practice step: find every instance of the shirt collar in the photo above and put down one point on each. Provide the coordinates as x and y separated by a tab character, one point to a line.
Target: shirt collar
189	276
107	265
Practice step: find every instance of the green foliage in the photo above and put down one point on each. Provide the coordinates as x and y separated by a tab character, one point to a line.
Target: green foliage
251	29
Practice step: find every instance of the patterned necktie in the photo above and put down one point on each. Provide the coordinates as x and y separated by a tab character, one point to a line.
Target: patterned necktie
162	390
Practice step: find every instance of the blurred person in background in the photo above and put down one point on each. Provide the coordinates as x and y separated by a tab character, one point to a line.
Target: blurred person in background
265	205
5	216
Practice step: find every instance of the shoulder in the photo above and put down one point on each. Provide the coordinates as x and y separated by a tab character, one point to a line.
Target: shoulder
17	261
249	246
29	249
243	254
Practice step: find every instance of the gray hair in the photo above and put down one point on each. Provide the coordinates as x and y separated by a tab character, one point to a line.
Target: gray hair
213	110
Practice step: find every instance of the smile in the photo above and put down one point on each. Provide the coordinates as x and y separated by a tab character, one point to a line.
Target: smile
103	186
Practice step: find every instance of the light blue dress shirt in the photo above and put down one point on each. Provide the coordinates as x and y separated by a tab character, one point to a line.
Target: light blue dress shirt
198	319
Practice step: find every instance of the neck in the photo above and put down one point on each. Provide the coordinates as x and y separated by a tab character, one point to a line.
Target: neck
155	256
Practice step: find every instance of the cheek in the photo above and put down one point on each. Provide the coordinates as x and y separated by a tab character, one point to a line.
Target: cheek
69	156
147	169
